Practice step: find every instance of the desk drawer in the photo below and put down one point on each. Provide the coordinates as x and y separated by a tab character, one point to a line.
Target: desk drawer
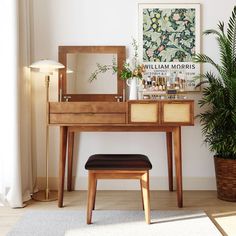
143	112
87	113
87	107
87	118
177	112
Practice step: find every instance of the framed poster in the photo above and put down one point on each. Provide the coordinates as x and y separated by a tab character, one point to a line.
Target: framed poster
169	35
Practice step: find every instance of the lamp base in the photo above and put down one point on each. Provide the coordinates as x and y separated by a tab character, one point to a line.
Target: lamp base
41	196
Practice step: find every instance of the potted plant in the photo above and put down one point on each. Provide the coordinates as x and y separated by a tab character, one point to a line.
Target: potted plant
219	97
131	71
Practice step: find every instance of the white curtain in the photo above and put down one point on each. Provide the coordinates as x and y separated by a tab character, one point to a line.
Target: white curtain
16	166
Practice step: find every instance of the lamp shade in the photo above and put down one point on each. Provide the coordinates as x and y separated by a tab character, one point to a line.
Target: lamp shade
47	65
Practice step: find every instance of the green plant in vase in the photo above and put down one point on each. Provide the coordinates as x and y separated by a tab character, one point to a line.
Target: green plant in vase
132	71
131	68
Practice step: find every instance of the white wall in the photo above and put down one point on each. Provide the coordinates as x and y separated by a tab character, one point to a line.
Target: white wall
107	22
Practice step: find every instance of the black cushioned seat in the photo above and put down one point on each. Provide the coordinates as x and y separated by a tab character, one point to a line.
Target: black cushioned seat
118	162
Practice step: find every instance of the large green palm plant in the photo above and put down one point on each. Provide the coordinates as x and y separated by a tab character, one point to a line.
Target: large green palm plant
219	120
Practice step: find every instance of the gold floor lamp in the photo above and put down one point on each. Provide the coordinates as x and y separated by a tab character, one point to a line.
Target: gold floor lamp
47	67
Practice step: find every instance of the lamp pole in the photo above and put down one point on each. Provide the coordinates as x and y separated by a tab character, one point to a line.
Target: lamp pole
46	66
47	81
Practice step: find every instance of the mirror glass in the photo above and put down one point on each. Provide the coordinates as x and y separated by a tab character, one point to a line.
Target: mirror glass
82	62
81	66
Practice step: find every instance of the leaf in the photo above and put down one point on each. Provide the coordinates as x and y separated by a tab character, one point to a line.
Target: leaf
155	38
168	54
146	20
190	15
231	33
187	42
165	24
181	26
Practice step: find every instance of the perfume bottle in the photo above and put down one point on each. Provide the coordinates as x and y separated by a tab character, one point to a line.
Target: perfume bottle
160	84
181	76
164	84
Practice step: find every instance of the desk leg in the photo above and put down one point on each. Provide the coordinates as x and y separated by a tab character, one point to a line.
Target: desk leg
62	163
70	160
178	165
169	158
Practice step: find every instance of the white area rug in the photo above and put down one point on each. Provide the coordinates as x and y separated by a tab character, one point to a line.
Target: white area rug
114	223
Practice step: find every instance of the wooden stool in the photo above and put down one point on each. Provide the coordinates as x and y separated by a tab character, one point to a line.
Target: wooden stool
118	166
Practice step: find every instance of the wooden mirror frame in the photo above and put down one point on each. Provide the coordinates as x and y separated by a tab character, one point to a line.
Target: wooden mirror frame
62	84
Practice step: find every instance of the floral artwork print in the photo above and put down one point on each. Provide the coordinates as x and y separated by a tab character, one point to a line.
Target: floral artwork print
168	34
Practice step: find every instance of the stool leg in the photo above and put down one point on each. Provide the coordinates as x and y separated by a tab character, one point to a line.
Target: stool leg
91	194
146	196
141	193
95	195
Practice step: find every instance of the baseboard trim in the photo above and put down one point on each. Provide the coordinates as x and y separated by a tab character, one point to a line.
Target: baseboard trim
156	183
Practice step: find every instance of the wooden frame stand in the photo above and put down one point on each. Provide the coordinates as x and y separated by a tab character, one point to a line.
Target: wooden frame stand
142	175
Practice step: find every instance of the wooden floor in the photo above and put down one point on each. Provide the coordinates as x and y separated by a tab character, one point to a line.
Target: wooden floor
222	213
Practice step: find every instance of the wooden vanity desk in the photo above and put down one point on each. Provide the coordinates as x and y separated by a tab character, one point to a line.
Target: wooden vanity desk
131	116
93	109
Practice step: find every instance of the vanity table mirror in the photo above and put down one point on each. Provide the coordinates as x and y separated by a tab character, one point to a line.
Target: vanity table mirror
80	62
